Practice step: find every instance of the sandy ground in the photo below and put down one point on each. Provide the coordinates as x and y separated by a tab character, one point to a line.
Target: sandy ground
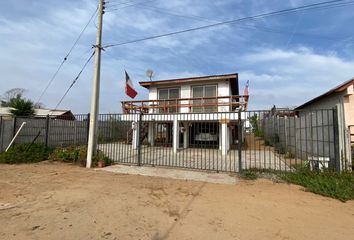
60	201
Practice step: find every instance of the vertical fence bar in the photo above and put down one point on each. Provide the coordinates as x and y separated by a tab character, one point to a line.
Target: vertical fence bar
239	141
14	126
87	127
336	139
138	137
1	134
46	130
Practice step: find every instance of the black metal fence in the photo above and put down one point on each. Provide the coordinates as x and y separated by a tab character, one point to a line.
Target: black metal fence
227	142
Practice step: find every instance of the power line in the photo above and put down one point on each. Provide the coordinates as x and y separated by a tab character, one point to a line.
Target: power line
66	57
74	81
280	12
252	27
111	8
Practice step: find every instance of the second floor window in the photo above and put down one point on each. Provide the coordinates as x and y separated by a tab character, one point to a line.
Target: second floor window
207	101
168	94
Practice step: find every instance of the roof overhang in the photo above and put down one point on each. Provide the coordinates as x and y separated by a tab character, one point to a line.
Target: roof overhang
201	79
340	88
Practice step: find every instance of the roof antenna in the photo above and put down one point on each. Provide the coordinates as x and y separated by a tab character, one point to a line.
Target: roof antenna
150	74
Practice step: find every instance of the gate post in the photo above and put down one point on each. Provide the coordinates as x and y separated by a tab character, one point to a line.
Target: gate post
87	128
175	134
336	139
14	126
1	134
239	141
46	130
138	139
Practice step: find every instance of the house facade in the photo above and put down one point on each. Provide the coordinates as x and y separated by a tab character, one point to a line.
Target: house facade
197	112
340	97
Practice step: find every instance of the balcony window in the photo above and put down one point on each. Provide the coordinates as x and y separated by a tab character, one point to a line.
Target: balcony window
168	94
207	104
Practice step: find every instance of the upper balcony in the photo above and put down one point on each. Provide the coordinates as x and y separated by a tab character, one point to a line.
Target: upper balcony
187	105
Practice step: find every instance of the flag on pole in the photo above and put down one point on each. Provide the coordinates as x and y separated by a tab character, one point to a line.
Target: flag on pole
129	88
246	94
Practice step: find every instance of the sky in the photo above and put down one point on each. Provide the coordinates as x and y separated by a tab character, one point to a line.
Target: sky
288	59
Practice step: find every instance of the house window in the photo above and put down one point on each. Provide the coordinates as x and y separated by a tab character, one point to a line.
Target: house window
168	94
207	101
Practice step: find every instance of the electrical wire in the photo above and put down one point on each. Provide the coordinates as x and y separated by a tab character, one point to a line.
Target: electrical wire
66	57
248	26
235	21
75	80
133	3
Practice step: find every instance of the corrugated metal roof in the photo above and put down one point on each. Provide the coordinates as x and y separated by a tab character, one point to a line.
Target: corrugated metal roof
5	111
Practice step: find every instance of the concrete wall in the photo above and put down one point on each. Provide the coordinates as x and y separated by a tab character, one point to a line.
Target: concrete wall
60	132
344	102
311	134
6	133
348	102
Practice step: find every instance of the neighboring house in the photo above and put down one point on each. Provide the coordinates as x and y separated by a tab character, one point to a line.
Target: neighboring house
342	98
56	114
189	112
5	112
42	113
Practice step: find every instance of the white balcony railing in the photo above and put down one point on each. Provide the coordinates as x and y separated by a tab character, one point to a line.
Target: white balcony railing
187	105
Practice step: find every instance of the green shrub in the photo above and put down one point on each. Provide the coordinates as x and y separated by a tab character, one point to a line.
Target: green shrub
71	154
267	142
249	175
279	148
259	133
327	183
100	156
78	155
25	153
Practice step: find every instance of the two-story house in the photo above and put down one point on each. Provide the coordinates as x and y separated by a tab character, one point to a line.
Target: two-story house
199	112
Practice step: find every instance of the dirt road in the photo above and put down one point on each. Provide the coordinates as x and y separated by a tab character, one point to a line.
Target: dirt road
60	201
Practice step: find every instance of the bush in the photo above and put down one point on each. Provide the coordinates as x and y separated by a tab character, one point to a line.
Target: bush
328	183
78	155
259	133
279	148
25	153
249	175
70	154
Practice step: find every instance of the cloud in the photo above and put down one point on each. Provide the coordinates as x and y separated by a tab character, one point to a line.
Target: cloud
35	38
291	77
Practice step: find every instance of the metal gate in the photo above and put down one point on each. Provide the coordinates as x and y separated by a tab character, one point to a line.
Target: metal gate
227	142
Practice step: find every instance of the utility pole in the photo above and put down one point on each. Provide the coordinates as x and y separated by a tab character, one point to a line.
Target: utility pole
92	139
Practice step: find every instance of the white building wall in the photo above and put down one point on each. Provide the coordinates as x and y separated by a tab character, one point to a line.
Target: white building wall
223	89
152	96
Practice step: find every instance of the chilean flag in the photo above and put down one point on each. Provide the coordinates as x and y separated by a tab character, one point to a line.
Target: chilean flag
129	88
246	94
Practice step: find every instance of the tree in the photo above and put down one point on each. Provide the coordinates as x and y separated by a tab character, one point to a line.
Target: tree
21	107
14	93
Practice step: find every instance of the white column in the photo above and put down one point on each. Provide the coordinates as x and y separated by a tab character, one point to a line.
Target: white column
135	140
151	135
186	135
225	143
175	135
